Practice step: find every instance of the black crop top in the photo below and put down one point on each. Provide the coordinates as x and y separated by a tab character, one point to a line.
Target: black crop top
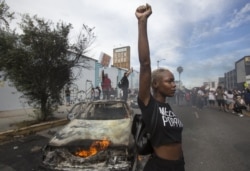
169	127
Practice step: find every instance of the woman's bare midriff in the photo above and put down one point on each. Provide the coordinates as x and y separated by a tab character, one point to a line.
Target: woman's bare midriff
169	151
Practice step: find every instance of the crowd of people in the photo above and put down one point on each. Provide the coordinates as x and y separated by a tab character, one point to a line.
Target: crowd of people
234	101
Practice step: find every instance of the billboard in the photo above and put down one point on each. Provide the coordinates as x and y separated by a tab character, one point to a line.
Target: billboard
104	59
121	57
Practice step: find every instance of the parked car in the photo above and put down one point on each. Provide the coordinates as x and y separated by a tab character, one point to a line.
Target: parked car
99	138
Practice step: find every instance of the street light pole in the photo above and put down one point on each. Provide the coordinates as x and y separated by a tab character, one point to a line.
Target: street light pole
180	70
159	62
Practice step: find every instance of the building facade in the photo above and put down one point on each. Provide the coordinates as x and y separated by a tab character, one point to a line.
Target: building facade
230	80
90	76
242	68
221	81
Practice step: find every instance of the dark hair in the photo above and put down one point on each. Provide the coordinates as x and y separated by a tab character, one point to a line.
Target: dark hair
247	90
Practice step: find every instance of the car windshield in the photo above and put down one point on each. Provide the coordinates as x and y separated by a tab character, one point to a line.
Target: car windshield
105	111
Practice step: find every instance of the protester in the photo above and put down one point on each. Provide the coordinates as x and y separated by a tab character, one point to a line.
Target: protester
211	99
95	93
247	98
125	84
239	106
200	98
194	97
167	139
220	98
106	86
187	97
229	100
98	93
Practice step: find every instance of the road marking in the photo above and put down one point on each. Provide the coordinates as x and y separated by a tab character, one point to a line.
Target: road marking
196	115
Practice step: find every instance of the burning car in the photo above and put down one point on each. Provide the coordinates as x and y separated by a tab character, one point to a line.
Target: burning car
99	138
76	110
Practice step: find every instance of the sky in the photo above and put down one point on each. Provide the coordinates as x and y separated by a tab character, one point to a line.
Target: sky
205	37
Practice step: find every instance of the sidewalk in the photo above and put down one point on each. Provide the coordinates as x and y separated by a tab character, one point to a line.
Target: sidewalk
9	118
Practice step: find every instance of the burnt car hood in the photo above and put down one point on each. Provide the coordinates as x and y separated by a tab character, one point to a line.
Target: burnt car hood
116	131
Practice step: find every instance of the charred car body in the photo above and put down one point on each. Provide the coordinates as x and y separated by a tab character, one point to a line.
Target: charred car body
76	110
99	138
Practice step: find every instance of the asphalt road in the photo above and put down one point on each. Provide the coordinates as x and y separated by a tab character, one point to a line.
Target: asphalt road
23	154
212	141
215	140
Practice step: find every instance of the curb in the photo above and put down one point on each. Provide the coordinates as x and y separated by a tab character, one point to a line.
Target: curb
10	134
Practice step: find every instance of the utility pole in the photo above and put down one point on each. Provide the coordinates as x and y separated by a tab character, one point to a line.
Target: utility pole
180	70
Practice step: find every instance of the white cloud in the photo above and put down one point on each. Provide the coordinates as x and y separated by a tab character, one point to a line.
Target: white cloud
177	30
240	17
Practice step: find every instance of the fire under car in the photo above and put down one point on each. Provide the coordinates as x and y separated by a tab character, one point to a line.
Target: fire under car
98	139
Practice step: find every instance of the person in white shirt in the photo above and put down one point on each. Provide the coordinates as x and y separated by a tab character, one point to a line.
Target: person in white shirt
229	100
211	98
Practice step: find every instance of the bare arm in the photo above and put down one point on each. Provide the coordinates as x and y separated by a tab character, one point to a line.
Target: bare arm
142	14
129	72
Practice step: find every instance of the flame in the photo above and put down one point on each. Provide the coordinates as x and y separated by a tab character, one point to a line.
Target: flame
94	148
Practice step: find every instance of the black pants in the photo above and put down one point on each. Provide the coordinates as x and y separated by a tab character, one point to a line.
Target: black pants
125	94
106	94
238	109
200	102
158	164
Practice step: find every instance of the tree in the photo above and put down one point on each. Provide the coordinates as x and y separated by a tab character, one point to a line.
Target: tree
38	61
5	15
